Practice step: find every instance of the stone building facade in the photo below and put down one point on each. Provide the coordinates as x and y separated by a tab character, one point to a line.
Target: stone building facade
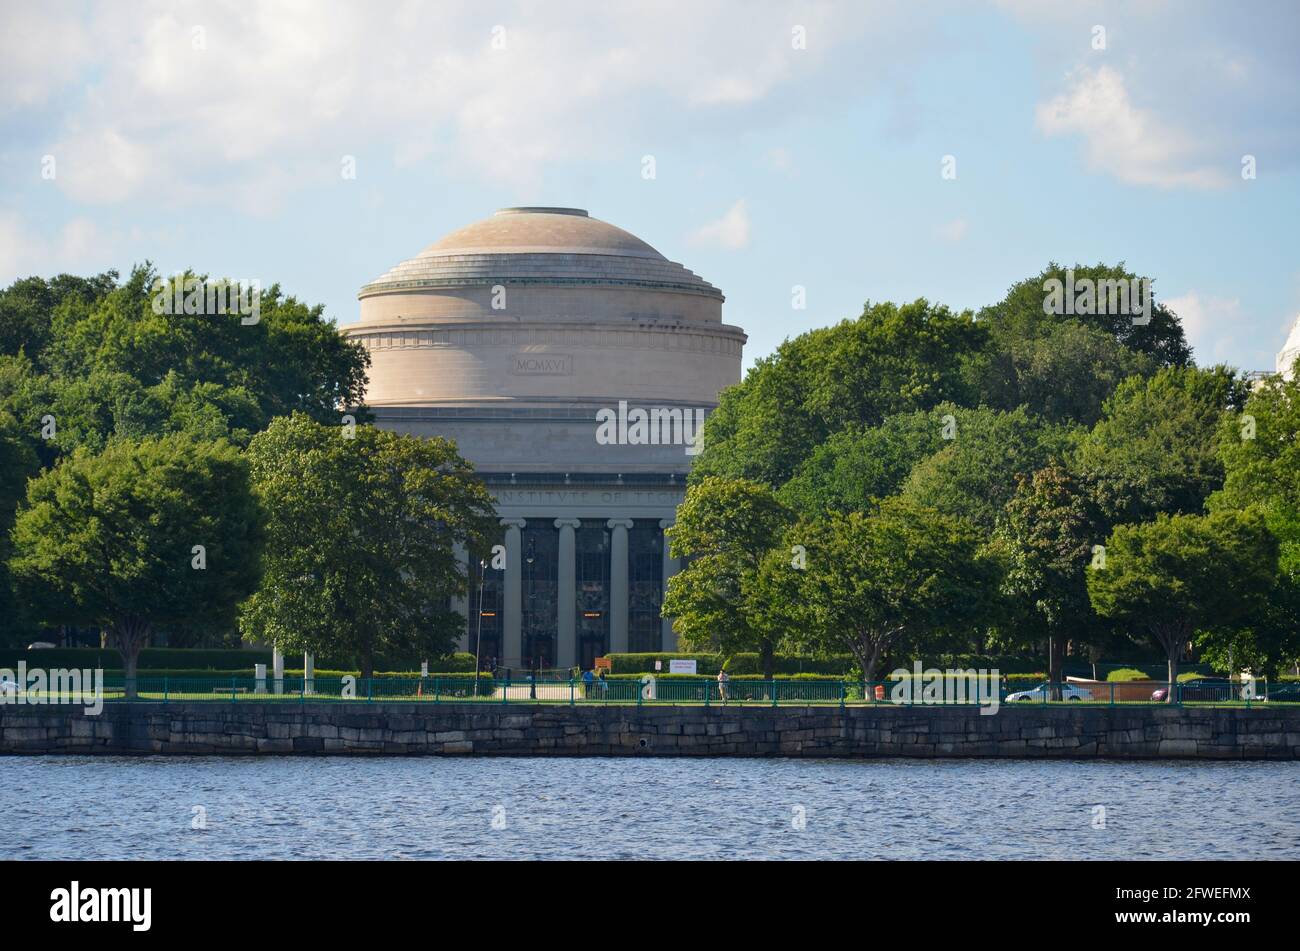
573	365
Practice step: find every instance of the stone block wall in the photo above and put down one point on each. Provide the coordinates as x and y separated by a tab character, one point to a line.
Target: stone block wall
587	730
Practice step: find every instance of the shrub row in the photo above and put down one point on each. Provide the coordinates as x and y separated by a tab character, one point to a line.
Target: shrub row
785	666
158	660
737	664
115	673
1013	681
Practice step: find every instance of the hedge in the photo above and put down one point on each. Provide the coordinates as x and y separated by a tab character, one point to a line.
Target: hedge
707	664
737	664
156	661
115	673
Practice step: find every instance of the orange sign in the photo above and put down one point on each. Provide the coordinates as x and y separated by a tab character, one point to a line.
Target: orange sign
604	663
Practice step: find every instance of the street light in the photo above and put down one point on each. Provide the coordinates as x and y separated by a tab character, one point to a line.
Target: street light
530	556
478	640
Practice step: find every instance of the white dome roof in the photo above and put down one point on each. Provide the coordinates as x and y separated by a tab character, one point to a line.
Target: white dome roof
1286	357
548	246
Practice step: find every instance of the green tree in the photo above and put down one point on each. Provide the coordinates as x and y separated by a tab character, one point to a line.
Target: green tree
32	309
1046	543
1064	373
1024	314
1156	448
857	467
1184	573
17	464
107	363
984	451
891	359
875	584
360	534
149	534
726	528
1260	453
1266	640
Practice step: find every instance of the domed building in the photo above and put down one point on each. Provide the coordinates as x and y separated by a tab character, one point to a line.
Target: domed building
1290	352
573	364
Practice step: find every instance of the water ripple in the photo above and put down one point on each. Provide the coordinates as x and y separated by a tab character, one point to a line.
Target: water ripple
430	808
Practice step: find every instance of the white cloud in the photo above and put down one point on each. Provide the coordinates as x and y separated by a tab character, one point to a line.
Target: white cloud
1130	143
1189	87
731	231
77	247
43	47
1210	323
279	92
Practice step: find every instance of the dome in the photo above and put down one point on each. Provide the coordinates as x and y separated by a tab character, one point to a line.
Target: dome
553	230
1286	357
554	246
543	309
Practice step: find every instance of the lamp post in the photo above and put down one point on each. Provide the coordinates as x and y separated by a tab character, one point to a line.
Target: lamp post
529	558
478	638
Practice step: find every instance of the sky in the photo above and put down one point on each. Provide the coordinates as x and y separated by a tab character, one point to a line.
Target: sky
765	146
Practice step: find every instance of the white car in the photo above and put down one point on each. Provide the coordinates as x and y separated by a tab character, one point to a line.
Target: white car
1042	693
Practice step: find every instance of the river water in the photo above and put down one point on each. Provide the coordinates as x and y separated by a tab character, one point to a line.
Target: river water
70	807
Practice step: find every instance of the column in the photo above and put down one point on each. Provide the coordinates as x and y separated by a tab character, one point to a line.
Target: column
668	636
513	647
277	669
308	674
460	603
566	648
618	584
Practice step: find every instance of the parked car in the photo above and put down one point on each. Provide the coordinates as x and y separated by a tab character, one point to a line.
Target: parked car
40	646
1208	690
1044	691
1285	693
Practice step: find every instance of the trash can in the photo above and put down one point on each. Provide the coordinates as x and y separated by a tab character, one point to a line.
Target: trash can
880	691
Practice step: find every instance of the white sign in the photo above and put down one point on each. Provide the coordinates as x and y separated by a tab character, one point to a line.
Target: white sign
681	667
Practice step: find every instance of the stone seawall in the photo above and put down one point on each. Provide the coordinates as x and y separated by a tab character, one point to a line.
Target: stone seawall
524	730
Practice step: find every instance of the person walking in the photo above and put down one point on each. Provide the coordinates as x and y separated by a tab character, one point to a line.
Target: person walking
587	681
722	683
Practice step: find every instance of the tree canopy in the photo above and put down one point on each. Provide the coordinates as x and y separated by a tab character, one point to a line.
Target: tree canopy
875	584
891	359
1156	447
1179	574
725	529
148	534
361	532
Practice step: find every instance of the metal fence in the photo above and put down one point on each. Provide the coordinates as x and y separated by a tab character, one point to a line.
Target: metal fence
682	691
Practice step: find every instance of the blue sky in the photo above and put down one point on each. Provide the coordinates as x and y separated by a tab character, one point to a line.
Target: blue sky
213	135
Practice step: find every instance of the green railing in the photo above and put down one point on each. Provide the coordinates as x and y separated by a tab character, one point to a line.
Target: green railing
666	691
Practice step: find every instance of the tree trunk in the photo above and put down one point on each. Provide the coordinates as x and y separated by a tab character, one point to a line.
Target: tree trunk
367	664
1056	664
129	636
768	658
130	663
1174	638
870	661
